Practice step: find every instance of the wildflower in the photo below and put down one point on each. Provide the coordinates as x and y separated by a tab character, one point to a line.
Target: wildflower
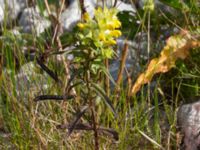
115	33
102	36
113	24
86	16
81	25
102	30
110	42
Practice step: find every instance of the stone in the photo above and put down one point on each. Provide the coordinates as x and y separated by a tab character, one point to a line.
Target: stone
121	6
14	7
72	14
188	120
1	10
27	78
32	22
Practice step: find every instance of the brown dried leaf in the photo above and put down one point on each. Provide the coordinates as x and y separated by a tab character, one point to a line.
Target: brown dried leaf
177	47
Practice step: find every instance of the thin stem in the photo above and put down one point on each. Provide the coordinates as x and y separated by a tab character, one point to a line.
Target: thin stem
92	107
107	81
122	64
148	50
96	137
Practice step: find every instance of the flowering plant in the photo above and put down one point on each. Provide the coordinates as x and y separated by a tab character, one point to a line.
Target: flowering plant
100	33
95	38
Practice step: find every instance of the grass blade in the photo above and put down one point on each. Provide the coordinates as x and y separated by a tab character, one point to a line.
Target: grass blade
102	94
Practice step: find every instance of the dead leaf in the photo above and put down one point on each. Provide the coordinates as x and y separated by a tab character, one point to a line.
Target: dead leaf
177	46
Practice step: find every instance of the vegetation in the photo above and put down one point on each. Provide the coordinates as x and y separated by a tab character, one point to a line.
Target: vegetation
60	103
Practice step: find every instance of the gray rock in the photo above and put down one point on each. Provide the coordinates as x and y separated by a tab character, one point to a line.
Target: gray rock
32	22
14	7
120	5
188	119
28	80
1	10
72	14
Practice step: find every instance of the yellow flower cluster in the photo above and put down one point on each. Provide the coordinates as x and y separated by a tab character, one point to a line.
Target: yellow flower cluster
102	30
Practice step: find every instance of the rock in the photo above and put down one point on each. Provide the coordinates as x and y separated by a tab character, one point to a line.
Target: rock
27	78
1	10
14	7
72	14
121	6
125	7
188	120
32	22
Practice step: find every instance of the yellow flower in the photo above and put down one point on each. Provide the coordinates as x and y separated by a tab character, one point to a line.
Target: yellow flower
103	27
115	33
102	37
81	25
86	16
110	26
110	42
98	11
116	23
113	24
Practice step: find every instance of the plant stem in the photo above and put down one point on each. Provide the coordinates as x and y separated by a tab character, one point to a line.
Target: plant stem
92	107
107	80
96	137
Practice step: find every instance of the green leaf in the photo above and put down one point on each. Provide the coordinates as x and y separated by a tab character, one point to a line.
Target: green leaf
78	117
177	4
103	95
108	75
107	53
67	39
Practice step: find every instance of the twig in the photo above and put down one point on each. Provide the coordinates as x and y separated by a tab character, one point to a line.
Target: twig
47	70
107	81
150	139
53	97
82	6
78	117
115	3
81	126
129	82
96	137
122	64
47	7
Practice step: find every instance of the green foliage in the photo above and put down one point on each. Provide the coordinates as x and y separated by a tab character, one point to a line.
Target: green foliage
187	6
35	125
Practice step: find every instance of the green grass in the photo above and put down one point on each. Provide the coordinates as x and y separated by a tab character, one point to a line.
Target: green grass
143	122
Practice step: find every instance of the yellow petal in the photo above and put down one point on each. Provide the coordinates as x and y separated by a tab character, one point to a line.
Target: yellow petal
115	33
101	37
116	23
110	42
81	25
86	16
